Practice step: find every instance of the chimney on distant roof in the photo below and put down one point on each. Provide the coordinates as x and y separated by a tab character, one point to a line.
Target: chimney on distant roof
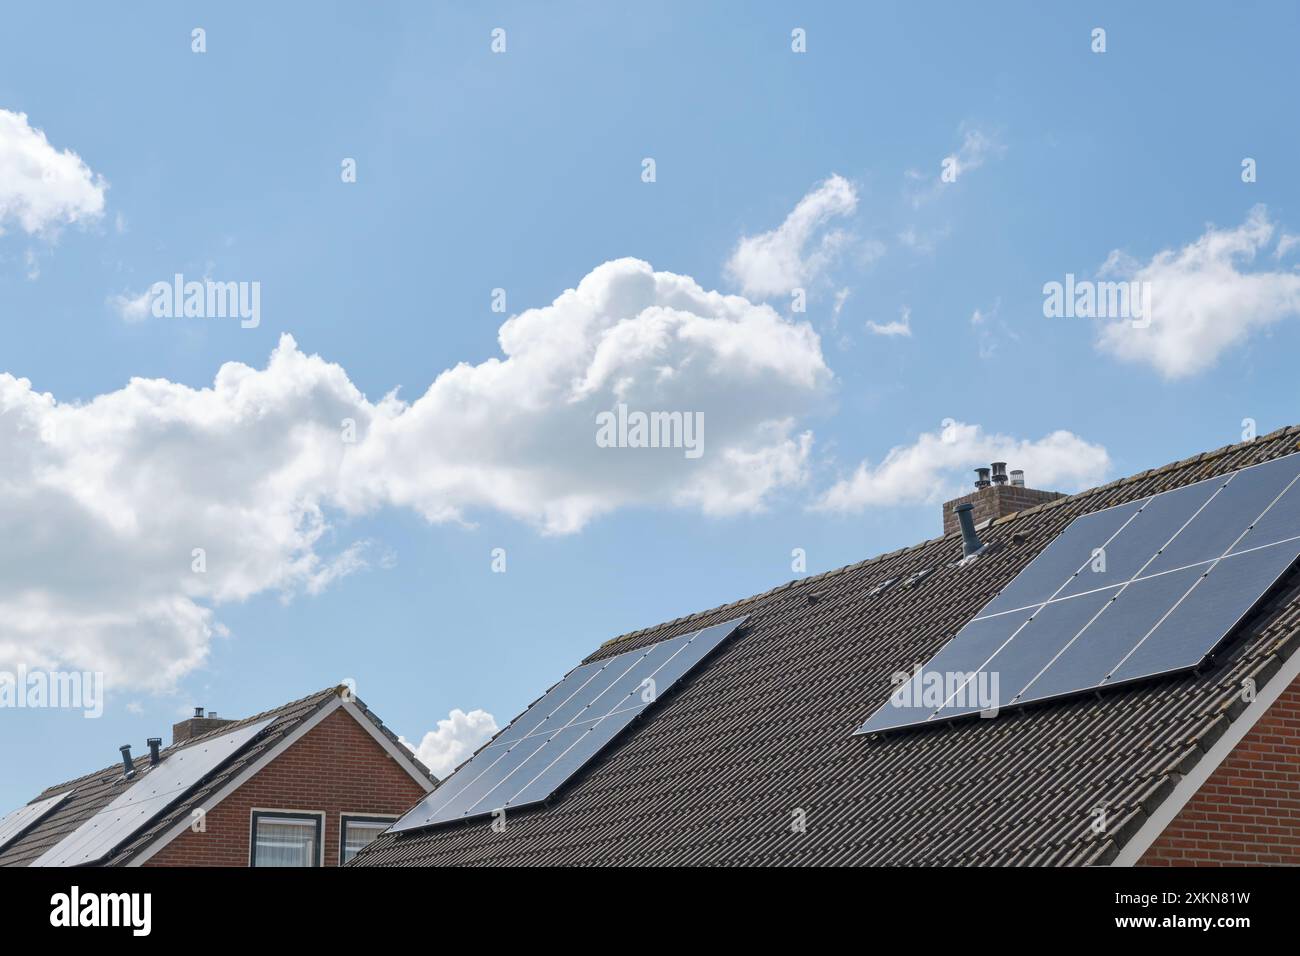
994	497
197	726
154	743
127	766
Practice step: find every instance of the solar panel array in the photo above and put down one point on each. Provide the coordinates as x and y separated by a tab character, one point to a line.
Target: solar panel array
14	824
1142	589
555	737
155	791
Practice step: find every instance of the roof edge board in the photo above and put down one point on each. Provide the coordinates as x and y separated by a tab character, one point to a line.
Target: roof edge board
1186	788
404	760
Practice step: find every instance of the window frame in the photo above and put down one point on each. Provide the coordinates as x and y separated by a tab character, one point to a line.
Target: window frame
346	818
316	816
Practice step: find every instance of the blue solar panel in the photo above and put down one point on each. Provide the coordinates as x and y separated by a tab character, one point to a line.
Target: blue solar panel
1176	572
152	793
1125	620
15	824
551	741
1213	608
1070	554
1161	519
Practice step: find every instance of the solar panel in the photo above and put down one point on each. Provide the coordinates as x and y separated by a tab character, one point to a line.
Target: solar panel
154	792
15	824
1142	589
554	738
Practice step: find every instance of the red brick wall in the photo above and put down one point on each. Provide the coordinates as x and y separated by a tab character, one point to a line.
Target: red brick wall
336	767
996	501
1248	811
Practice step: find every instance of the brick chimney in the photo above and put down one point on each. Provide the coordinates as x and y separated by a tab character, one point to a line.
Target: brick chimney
197	726
995	496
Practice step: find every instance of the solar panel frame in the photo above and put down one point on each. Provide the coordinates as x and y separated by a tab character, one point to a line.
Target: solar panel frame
153	793
542	748
1186	637
17	822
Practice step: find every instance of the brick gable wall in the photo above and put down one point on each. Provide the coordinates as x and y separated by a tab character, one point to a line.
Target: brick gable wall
336	767
1248	811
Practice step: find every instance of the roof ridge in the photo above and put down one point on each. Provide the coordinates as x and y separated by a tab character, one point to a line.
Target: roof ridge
1187	462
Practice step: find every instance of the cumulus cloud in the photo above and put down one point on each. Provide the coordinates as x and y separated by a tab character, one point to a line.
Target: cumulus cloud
1205	299
457	737
143	510
938	464
42	188
800	249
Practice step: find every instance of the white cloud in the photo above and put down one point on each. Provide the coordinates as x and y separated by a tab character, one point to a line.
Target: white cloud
111	497
977	147
42	188
923	242
938	466
990	330
1204	299
799	250
457	737
1285	243
130	307
901	326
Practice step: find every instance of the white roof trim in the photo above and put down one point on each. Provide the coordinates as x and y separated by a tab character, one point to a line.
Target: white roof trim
403	759
1172	805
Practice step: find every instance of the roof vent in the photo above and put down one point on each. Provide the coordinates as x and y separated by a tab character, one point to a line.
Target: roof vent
970	541
154	743
1018	479
982	478
999	473
127	765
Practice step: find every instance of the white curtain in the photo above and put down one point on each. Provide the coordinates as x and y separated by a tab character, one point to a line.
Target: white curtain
358	835
285	842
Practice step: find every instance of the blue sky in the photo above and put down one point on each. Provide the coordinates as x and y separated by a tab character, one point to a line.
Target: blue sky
522	171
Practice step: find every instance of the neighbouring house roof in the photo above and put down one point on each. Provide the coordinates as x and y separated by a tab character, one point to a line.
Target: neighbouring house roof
715	772
96	790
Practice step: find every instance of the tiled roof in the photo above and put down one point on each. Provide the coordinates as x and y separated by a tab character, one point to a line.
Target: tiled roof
96	790
716	772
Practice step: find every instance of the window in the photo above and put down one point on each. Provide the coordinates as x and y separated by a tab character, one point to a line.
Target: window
285	839
357	832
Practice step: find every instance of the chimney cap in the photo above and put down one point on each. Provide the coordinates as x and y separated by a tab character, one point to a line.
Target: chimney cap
999	472
982	478
198	711
1018	478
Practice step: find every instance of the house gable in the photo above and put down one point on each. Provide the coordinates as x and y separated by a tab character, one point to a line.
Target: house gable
1247	812
371	783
